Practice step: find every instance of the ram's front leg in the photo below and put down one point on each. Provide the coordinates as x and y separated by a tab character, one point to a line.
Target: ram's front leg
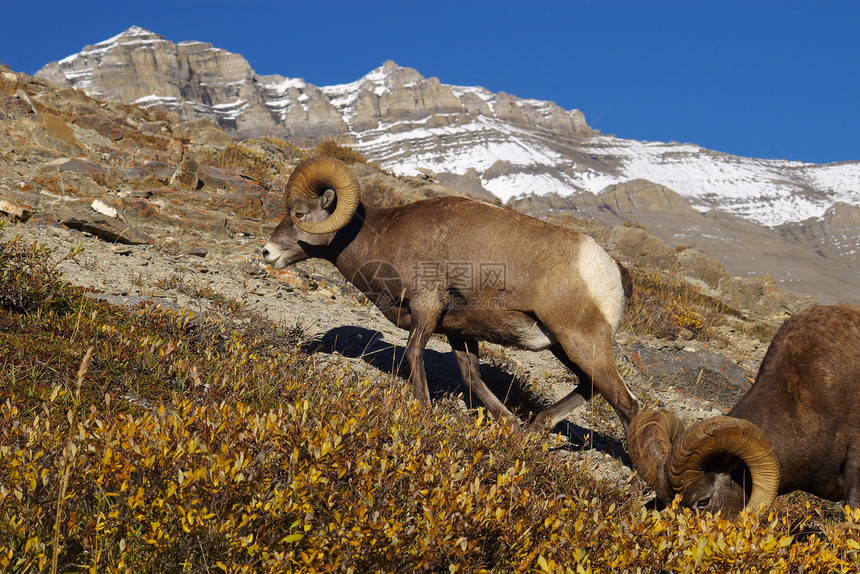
426	310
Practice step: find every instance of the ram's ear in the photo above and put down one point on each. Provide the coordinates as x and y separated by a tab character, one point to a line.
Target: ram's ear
327	200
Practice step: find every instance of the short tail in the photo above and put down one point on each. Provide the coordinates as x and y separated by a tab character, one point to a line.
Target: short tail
626	280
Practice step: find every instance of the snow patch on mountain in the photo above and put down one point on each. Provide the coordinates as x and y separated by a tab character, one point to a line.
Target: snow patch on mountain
770	192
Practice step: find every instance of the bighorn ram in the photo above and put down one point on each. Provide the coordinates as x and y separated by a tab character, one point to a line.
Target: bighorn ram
469	270
797	428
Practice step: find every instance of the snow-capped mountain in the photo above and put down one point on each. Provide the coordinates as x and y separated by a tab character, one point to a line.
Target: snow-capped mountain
404	121
798	216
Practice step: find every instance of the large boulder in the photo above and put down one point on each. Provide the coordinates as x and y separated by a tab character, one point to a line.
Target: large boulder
639	246
641	196
697	372
103	226
696	265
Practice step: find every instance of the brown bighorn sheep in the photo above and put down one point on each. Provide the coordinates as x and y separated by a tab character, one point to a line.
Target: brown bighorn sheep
468	270
797	428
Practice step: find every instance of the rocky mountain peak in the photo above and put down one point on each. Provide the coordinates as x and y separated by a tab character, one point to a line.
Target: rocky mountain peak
77	70
139	66
133	34
392	73
197	80
392	93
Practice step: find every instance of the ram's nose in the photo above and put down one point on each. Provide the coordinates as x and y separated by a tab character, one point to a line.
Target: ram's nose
271	252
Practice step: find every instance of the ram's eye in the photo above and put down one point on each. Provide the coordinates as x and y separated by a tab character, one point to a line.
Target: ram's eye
703	502
298	215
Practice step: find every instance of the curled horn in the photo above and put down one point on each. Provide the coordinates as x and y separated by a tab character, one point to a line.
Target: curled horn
650	436
725	436
312	178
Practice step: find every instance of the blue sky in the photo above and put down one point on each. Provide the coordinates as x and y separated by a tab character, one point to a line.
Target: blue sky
770	79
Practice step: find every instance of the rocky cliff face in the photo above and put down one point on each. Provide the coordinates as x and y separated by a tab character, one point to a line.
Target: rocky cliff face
404	121
195	79
391	93
836	234
140	65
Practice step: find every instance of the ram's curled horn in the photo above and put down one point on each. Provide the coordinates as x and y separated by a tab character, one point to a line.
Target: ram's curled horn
725	436
312	178
649	440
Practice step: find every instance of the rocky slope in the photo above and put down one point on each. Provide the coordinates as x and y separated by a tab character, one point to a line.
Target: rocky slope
177	212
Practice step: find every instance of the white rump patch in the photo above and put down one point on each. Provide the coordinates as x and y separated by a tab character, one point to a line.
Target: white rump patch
603	279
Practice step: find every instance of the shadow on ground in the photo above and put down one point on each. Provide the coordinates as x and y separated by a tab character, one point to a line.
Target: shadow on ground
443	377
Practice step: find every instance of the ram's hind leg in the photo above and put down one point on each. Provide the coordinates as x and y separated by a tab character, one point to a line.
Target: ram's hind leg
426	310
466	352
589	356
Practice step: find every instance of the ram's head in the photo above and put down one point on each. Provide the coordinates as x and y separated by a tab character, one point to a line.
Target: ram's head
721	464
322	198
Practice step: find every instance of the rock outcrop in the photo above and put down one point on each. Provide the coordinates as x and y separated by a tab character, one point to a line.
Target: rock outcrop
193	79
753	294
835	234
640	196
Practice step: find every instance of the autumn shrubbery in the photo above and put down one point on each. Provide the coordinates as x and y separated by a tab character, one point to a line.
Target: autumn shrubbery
666	307
248	158
269	160
217	444
28	280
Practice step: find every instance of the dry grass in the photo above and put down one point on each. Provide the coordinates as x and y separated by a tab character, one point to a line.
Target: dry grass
346	154
246	159
667	307
8	86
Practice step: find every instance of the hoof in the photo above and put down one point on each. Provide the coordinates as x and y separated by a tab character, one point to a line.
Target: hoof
540	424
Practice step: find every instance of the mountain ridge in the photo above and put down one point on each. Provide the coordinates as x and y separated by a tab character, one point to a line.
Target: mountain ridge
404	121
251	104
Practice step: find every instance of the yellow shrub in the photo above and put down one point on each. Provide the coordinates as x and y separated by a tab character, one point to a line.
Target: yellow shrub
204	445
